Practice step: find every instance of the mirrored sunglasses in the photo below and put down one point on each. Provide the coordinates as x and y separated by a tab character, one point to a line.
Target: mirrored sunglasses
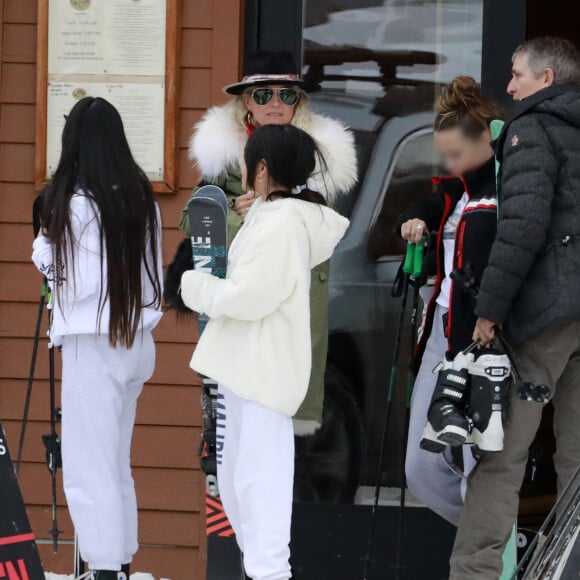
288	96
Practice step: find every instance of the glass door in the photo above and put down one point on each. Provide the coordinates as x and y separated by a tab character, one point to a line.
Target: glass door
381	64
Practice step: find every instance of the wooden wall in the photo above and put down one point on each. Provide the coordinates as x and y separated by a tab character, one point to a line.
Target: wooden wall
169	484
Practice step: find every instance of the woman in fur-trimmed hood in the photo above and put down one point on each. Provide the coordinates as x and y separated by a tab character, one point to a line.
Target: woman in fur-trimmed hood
272	92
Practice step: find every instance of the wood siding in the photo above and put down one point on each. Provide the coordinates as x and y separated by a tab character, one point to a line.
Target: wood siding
169	484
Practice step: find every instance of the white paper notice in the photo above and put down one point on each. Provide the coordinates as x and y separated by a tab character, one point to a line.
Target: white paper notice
135	37
142	110
116	37
114	49
76	37
141	107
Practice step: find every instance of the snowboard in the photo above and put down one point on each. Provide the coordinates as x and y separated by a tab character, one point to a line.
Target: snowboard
207	211
19	558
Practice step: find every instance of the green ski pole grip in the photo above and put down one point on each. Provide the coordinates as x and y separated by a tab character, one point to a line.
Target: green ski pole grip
409	259
418	259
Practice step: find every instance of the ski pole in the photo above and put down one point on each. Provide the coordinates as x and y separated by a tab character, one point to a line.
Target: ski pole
52	444
415	270
31	373
407	264
36	207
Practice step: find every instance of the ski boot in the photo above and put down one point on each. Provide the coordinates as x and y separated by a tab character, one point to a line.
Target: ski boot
490	379
447	422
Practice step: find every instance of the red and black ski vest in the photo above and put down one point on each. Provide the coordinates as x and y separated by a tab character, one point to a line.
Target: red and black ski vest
474	237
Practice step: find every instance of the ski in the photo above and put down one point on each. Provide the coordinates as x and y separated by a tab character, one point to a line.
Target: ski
19	558
555	551
207	213
208	222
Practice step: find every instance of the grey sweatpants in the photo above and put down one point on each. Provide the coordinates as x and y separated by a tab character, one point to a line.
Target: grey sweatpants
491	507
429	475
100	388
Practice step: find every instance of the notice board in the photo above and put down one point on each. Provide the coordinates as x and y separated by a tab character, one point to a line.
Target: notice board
124	51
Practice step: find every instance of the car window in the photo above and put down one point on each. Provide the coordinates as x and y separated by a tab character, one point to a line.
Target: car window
414	165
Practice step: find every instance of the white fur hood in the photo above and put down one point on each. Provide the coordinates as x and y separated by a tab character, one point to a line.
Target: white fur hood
219	139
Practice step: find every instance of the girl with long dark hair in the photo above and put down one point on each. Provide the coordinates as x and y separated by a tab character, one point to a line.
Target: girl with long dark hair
257	345
100	249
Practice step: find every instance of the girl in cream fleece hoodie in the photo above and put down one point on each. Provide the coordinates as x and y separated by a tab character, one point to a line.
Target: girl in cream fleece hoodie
257	343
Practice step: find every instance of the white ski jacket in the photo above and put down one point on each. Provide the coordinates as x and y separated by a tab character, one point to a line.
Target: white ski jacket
257	342
76	306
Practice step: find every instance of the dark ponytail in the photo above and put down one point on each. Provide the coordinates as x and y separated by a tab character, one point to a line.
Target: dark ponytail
290	155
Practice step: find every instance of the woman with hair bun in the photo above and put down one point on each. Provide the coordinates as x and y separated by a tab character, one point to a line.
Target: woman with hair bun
464	213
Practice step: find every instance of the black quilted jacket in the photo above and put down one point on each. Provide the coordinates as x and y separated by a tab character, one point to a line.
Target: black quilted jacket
533	275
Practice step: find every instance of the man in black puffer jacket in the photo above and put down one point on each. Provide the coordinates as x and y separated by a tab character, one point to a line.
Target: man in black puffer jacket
531	288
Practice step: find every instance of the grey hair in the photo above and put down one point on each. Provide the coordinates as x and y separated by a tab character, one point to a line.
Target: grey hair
557	54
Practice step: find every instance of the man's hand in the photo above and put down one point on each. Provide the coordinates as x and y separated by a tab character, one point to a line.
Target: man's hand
244	202
413	230
484	331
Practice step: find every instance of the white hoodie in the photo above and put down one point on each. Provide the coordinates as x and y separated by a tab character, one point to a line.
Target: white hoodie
257	342
76	306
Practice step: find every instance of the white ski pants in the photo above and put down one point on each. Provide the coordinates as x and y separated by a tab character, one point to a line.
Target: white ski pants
100	388
256	477
429	475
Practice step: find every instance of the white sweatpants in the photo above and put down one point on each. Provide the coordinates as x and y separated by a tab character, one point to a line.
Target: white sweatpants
256	477
429	477
100	388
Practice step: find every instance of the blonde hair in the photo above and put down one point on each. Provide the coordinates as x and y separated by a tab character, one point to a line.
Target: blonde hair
463	105
300	119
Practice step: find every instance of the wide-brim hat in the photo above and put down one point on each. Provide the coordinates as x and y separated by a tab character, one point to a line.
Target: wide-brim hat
271	68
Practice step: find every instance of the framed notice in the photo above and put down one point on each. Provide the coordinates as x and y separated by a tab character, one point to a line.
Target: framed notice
124	51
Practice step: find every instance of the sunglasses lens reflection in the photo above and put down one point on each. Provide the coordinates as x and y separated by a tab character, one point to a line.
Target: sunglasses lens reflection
287	96
263	96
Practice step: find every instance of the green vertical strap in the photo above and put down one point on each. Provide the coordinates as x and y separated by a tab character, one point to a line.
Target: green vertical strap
510	557
495	128
510	554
